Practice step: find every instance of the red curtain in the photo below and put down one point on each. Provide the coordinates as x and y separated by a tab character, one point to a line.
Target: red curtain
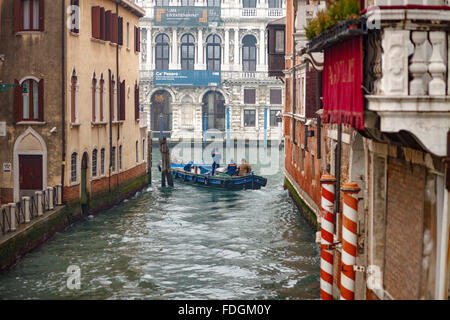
342	81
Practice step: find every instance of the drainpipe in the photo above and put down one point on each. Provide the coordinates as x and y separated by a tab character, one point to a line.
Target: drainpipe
294	85
63	97
111	97
338	176
118	93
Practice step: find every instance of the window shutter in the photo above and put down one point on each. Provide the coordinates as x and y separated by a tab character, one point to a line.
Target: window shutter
18	90
135	39
138	39
108	25
102	23
136	102
120	26
114	28
41	15
18	23
96	22
122	101
41	100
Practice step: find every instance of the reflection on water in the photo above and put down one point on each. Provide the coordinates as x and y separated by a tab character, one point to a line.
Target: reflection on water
183	243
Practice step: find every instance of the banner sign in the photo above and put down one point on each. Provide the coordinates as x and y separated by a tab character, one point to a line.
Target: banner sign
341	84
198	78
187	16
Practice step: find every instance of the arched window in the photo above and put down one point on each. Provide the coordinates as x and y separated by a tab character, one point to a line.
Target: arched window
102	161
102	98
120	157
94	162
274	3
74	98
113	159
187	2
187	52
29	100
137	152
162	2
249	53
162	52
213	52
73	167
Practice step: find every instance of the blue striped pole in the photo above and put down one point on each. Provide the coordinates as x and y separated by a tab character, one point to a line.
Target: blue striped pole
265	126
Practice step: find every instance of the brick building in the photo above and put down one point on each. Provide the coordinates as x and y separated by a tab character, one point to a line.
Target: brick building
388	134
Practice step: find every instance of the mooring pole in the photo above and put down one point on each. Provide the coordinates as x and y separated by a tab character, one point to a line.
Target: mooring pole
265	126
166	173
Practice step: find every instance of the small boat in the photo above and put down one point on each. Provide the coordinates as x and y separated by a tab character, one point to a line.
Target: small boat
221	179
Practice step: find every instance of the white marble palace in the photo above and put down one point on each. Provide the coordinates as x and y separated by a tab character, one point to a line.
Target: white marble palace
204	66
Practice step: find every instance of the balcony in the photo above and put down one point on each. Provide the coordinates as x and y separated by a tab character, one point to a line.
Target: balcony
411	85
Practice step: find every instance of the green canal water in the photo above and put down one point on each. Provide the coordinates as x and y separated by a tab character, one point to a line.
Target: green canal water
183	243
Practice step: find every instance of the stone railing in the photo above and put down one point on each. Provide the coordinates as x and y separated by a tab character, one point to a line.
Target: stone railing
28	208
235	75
425	74
410	2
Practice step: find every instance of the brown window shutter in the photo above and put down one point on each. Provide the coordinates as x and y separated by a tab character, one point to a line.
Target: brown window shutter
41	100
72	100
95	22
135	39
139	39
18	17
114	28
136	102
120	40
108	25
102	23
41	15
94	84
18	91
122	101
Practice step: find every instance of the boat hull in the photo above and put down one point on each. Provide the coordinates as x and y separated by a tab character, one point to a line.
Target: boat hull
250	182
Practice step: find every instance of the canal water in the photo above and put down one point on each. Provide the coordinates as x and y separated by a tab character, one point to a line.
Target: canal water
183	243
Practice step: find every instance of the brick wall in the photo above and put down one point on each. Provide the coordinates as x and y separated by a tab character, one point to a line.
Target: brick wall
404	229
310	94
6	195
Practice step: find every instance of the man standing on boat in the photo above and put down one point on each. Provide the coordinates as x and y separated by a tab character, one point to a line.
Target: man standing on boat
216	160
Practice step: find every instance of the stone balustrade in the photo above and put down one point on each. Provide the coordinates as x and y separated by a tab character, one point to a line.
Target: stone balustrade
28	208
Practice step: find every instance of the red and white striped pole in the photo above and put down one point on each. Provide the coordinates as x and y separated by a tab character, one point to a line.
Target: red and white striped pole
327	230
349	240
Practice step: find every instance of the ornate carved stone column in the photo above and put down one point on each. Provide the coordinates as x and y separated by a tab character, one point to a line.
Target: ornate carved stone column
418	66
437	67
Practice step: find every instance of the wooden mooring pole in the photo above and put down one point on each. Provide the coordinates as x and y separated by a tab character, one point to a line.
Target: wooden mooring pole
165	165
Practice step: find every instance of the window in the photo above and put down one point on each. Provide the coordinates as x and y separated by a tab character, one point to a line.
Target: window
187	52
120	157
213	3
137	152
94	98
249	96
102	93
143	150
128	35
275	96
249	3
29	100
273	118
162	52
120	31
28	15
106	26
313	169
74	98
122	101
113	159
213	52
249	53
274	3
94	162
249	118
113	96
187	2
75	13
102	161
279	41
137	39
162	2
302	163
73	167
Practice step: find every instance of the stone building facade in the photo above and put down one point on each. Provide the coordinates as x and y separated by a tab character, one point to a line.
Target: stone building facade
223	60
